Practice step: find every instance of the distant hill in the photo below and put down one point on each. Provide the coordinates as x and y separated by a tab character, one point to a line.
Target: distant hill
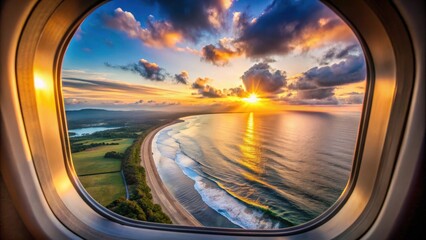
102	114
96	117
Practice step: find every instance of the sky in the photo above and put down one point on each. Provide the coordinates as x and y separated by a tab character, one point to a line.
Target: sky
221	55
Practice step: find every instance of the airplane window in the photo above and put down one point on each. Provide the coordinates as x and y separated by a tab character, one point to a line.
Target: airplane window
220	113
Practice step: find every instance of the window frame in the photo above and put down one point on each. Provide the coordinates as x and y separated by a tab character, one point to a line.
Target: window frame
64	202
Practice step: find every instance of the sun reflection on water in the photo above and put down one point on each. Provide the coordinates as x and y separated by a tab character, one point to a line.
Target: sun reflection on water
250	149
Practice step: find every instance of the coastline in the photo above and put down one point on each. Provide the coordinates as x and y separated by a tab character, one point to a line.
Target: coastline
177	213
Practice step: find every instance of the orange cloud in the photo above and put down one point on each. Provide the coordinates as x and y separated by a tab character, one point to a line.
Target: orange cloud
158	34
221	54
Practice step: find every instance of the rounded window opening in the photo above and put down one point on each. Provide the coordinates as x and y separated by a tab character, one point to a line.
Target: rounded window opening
219	113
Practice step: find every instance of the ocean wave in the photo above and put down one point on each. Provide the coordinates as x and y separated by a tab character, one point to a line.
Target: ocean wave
222	202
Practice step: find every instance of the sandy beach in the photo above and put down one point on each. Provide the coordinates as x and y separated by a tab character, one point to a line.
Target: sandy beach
178	214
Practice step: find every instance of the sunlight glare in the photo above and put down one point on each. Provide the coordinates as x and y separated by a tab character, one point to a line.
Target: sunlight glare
252	98
39	83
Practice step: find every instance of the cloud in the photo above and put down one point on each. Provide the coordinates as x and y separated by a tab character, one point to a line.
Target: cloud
88	86
188	20
261	78
319	93
237	92
287	25
193	18
74	73
206	90
152	103
211	92
240	21
318	83
182	77
351	98
350	70
302	85
157	34
295	101
336	53
188	50
319	96
74	101
200	83
284	27
220	55
147	70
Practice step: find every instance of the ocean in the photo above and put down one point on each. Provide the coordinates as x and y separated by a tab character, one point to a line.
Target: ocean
257	170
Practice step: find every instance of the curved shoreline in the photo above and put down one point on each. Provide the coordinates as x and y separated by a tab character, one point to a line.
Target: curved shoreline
177	213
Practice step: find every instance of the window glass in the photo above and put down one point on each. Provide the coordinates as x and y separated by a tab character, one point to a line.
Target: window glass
235	114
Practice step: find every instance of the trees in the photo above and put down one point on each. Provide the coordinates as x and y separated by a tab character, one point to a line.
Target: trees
79	147
127	208
114	154
140	205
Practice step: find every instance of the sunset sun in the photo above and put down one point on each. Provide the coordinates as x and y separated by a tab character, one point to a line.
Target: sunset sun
252	98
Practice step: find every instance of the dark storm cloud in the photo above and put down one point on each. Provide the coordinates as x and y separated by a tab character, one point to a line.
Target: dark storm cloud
193	18
350	70
145	69
261	78
182	77
283	24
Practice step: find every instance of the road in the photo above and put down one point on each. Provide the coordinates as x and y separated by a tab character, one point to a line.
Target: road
178	214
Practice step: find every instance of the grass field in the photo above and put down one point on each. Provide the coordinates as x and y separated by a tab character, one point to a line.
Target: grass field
101	177
104	182
104	188
92	161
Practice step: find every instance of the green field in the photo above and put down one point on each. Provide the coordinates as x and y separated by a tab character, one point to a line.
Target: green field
101	176
92	161
104	188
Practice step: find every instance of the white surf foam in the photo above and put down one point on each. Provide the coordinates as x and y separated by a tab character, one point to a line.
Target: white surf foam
166	148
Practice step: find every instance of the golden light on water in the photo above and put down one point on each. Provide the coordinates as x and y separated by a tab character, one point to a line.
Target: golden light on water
250	147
